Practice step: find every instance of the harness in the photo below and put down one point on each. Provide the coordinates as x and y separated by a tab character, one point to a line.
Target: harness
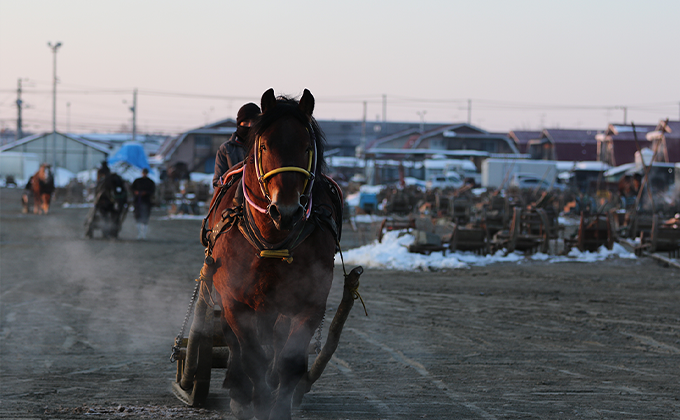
320	216
263	178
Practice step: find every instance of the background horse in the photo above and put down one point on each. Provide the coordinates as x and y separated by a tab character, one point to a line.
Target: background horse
41	185
274	265
110	206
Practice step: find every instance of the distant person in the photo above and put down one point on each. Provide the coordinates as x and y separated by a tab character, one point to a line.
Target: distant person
143	189
231	151
103	171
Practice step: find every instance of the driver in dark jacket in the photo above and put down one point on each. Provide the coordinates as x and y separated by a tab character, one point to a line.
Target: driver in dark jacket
231	151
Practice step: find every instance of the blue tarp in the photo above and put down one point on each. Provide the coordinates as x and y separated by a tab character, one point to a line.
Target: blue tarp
132	153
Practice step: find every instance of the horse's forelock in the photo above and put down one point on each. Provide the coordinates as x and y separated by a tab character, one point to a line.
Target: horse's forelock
288	107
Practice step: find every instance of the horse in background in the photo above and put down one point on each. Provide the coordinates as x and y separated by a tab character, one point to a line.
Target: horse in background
110	206
41	185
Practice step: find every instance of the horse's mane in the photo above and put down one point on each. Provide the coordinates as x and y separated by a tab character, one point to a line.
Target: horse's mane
288	107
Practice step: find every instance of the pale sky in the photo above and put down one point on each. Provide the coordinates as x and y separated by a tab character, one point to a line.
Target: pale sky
523	64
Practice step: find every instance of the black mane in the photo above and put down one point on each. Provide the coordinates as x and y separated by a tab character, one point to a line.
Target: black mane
288	107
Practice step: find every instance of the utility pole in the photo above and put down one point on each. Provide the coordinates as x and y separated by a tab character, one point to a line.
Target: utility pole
20	131
133	108
363	130
363	138
469	120
384	110
421	114
54	49
625	114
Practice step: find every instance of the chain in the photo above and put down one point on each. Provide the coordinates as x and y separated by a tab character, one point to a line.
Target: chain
178	339
317	345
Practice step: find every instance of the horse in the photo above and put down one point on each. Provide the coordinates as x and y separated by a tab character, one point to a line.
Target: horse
273	255
110	206
41	185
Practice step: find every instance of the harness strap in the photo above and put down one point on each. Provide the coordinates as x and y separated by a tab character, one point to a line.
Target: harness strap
321	216
280	250
234	175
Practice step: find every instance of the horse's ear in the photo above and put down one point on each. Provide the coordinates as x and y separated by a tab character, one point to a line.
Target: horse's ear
307	103
268	100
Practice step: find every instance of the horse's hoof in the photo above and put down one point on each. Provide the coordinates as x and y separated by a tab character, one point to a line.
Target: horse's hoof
241	412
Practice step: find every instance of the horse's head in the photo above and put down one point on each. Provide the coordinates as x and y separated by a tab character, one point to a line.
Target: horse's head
286	150
45	171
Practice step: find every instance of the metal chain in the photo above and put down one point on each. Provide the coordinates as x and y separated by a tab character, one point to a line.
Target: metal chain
178	339
317	345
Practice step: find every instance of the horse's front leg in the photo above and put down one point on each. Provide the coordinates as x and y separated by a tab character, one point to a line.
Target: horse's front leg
243	323
46	204
236	381
291	363
36	203
24	203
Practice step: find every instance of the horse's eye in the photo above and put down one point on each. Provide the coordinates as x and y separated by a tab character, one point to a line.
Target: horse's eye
263	147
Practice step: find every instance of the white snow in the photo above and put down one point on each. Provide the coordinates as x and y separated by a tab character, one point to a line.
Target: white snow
182	217
393	254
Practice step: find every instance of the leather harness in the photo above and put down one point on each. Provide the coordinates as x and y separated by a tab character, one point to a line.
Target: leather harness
321	216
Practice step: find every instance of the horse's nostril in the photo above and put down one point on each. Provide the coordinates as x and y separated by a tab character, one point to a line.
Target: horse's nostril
274	212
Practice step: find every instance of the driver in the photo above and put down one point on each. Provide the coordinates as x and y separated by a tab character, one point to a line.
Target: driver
231	151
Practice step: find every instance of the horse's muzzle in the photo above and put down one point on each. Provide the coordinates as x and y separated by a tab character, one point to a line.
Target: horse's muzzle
286	217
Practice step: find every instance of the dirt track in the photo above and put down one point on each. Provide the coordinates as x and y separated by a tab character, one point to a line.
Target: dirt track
87	325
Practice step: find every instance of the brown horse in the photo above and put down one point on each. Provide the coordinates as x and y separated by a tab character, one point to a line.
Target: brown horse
275	260
41	185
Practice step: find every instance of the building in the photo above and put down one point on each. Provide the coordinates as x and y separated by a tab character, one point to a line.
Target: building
197	148
618	144
564	145
522	139
61	150
459	141
343	137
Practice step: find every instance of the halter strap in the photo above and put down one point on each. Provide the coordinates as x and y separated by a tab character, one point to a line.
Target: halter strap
263	178
250	201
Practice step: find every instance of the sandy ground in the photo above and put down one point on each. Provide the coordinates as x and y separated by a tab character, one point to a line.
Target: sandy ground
86	328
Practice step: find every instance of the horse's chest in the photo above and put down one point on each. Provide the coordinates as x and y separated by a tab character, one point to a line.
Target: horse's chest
271	282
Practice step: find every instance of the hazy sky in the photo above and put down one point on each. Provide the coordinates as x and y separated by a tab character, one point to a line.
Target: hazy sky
523	64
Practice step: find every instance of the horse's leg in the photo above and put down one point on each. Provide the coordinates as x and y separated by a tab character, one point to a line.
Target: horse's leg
106	224
243	322
36	203
292	362
281	330
24	203
45	203
236	380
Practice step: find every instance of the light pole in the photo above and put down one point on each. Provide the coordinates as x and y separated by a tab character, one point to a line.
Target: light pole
54	49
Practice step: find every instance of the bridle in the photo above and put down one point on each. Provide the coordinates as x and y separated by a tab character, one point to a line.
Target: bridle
264	178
